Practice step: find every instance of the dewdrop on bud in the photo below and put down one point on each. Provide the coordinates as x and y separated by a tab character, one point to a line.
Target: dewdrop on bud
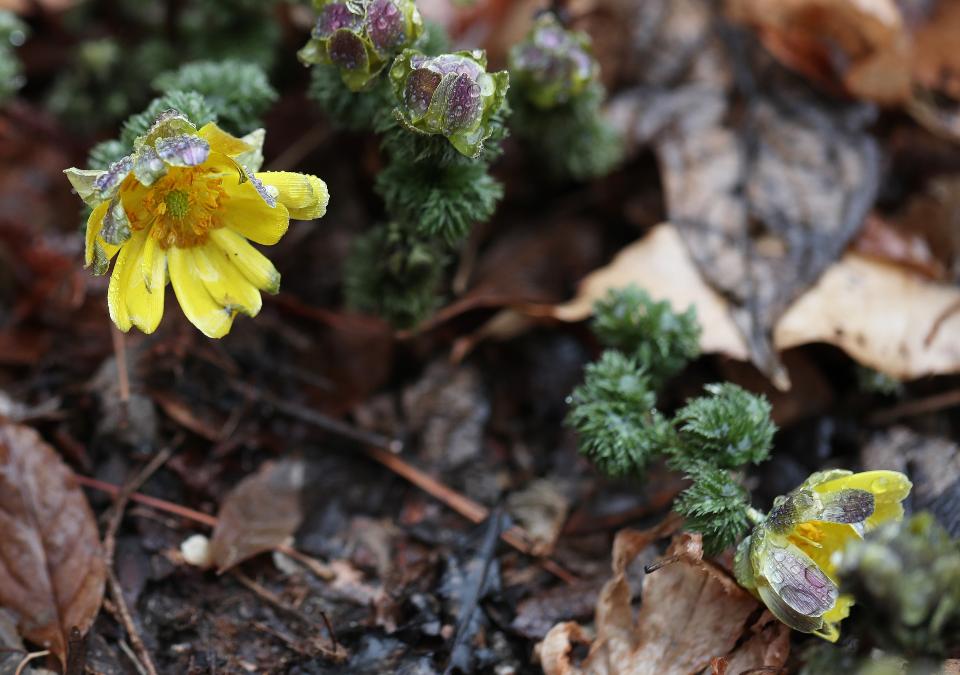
451	95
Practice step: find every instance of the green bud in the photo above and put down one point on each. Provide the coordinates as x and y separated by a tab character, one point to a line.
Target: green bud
452	95
552	65
360	37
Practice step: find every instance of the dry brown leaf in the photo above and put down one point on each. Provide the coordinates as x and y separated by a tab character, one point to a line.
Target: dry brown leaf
878	50
766	179
50	556
660	264
691	613
871	33
261	513
886	317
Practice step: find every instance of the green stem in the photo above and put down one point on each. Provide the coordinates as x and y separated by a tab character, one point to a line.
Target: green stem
755	517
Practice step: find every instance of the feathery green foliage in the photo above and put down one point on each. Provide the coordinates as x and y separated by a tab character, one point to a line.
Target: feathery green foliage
102	155
442	203
238	92
729	428
191	104
715	505
394	274
906	578
13	32
621	430
355	111
662	340
613	410
569	141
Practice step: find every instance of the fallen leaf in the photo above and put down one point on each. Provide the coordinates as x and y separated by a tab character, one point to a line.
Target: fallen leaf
660	264
932	464
691	613
890	319
766	179
883	240
885	317
49	545
540	508
261	513
879	50
804	34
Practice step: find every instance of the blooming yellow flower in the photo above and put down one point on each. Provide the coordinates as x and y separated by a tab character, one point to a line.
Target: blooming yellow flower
788	560
184	207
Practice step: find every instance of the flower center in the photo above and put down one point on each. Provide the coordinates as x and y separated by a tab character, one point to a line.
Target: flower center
178	204
181	207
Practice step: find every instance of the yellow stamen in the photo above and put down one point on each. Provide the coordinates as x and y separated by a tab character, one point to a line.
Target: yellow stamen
182	207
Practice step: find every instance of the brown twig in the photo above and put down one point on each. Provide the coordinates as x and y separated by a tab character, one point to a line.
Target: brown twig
120	502
152	502
317	419
935	403
28	658
120	352
516	536
303	146
270	597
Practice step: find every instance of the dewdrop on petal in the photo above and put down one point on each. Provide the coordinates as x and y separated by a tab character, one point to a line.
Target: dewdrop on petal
789	561
183	208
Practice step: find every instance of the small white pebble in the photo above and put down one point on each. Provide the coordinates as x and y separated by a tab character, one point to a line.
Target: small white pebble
196	551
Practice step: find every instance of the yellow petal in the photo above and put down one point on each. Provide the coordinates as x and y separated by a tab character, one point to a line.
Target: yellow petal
820	539
221	141
889	489
94	224
304	195
94	241
228	287
146	291
841	610
245	211
128	262
255	266
198	305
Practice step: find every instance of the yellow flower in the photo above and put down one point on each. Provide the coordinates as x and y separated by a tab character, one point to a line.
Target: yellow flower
184	207
788	560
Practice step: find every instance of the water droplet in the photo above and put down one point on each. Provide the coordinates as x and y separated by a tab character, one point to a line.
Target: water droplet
814	578
391	10
382	23
880	485
779	556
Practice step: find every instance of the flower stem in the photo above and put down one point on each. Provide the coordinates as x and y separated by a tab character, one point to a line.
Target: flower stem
756	517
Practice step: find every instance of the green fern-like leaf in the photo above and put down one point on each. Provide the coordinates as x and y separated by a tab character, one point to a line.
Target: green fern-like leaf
729	428
571	140
189	103
442	203
102	155
394	274
613	411
662	341
715	505
354	111
238	92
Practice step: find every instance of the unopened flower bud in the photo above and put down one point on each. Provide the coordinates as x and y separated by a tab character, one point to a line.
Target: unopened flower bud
552	65
452	95
360	37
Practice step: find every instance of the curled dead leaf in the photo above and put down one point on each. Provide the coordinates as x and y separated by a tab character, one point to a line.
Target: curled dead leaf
766	179
886	317
687	592
50	549
261	513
